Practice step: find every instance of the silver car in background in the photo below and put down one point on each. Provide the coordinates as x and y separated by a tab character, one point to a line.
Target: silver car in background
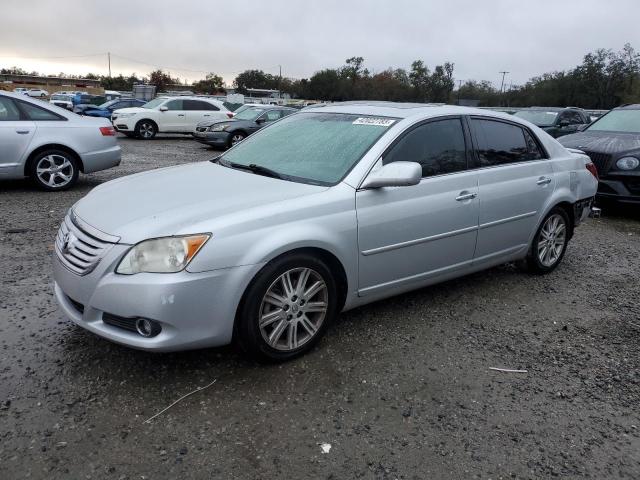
51	145
321	212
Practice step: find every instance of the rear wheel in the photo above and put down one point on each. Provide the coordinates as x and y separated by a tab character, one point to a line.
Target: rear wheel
146	129
287	308
550	242
54	170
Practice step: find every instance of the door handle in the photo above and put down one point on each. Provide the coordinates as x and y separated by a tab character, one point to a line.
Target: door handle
206	115
464	195
22	132
543	181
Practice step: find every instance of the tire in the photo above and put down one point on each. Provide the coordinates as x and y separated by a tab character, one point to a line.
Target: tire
146	129
555	228
54	170
235	138
304	318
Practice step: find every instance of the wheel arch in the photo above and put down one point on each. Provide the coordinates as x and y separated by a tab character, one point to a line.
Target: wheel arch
147	120
51	146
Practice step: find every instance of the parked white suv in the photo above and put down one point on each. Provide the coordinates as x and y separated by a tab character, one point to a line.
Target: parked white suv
168	115
50	144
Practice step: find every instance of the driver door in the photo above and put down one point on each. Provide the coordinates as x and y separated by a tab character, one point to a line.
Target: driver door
409	235
174	119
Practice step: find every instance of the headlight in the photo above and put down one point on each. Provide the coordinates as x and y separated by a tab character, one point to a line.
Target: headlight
628	163
162	255
125	115
219	127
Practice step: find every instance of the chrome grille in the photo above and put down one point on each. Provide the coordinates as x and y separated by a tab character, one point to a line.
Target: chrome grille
79	250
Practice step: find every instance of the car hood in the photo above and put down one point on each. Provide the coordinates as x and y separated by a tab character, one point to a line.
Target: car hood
602	142
208	123
134	110
180	200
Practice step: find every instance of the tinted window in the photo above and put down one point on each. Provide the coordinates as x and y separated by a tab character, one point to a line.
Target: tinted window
284	113
273	115
36	113
438	146
174	105
572	117
8	110
500	143
199	105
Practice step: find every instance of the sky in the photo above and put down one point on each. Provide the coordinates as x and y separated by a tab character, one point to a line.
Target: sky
190	38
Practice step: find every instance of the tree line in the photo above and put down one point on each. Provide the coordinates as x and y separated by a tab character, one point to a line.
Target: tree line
603	80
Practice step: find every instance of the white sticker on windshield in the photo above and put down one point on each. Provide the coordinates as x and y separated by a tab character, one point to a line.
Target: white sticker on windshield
376	121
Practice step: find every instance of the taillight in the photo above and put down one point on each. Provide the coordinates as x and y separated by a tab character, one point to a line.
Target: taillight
229	114
107	131
592	168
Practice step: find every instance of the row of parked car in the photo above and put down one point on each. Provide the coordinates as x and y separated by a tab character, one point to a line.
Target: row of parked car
28	126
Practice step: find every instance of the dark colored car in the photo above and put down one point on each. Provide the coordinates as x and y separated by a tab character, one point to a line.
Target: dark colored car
229	132
556	121
613	144
106	109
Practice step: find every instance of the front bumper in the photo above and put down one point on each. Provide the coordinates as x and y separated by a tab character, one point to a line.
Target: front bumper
195	310
123	124
622	188
218	139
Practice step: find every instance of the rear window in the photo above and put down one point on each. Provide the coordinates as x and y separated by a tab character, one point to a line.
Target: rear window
499	143
39	114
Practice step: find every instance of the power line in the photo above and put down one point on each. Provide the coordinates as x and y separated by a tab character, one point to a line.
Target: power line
55	58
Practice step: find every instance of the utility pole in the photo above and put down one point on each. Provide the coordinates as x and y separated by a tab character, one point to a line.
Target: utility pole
502	86
280	83
109	60
459	85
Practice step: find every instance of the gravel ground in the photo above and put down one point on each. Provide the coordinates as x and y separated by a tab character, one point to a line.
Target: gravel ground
399	389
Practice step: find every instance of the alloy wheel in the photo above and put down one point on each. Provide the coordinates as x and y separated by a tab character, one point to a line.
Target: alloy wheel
146	130
552	240
54	171
236	138
293	309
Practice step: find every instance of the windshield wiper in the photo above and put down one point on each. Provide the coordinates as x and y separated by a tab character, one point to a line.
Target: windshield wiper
253	168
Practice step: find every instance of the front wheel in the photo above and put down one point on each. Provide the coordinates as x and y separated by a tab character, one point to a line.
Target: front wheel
235	138
550	242
146	129
287	308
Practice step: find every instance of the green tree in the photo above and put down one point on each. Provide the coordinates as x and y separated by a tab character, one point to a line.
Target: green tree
162	80
211	84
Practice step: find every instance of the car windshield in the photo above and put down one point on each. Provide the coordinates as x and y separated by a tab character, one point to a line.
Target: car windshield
107	104
66	98
249	113
627	121
154	103
538	117
317	148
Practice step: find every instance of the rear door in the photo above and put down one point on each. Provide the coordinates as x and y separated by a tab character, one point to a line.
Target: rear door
199	110
410	234
515	181
16	133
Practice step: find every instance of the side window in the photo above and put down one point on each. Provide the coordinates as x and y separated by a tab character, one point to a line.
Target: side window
438	146
273	115
174	105
284	113
8	110
199	105
38	114
575	118
500	143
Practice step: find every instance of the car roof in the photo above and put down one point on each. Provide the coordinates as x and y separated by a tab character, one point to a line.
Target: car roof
629	106
404	110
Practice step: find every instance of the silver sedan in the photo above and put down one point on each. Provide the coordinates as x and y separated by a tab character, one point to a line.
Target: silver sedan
325	210
51	145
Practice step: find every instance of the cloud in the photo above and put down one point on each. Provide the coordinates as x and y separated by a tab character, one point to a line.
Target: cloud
190	37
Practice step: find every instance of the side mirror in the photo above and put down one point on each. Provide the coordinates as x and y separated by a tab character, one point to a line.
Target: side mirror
396	174
163	108
564	123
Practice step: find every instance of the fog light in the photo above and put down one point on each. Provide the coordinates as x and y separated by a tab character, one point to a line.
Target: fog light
147	328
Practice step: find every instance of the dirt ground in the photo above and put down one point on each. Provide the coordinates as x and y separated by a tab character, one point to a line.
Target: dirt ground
400	389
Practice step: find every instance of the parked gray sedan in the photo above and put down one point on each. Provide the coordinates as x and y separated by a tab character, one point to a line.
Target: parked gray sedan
323	211
227	133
